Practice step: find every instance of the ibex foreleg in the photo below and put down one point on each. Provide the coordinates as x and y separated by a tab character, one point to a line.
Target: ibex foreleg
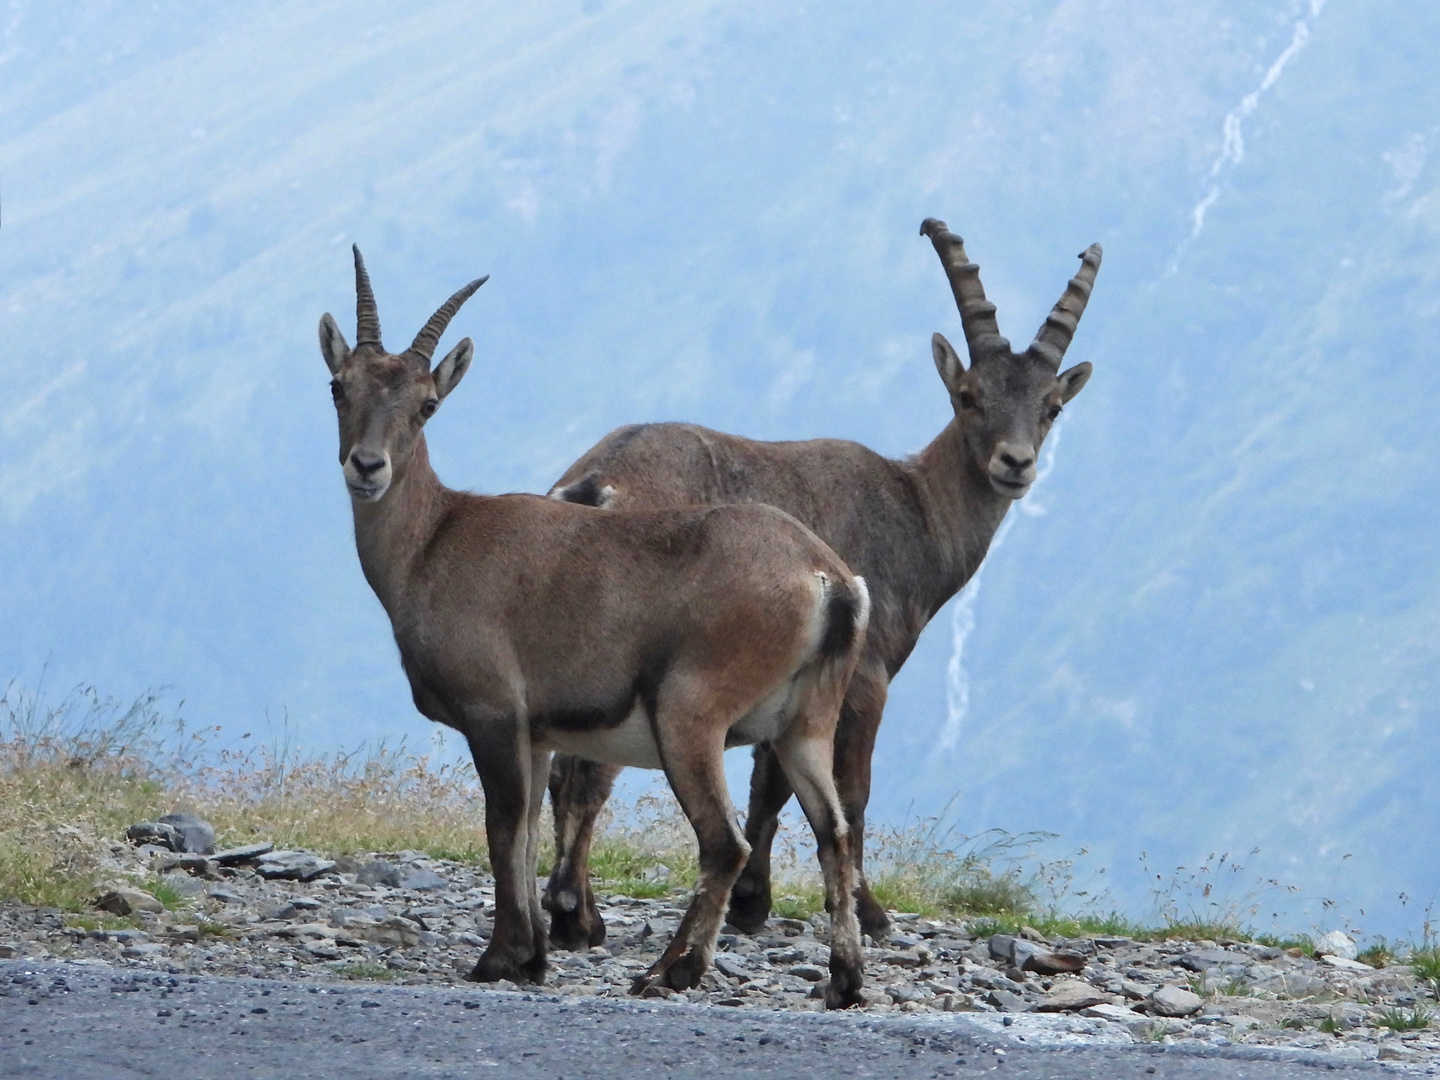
514	782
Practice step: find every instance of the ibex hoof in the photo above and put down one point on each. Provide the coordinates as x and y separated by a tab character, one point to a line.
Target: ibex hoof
494	966
749	913
574	932
844	989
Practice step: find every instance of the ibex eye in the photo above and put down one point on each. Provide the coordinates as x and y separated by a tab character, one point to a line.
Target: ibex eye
1054	411
967	400
336	390
428	409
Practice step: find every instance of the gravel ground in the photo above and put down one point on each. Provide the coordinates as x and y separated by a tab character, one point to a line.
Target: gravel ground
404	919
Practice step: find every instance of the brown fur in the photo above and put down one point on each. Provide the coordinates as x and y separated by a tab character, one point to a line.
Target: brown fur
916	529
527	623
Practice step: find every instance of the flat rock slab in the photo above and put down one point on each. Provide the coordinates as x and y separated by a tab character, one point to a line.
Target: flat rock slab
128	902
1205	959
292	866
192	833
243	854
1073	994
418	879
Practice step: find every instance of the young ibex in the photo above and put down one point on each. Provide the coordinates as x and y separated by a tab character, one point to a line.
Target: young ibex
652	638
916	529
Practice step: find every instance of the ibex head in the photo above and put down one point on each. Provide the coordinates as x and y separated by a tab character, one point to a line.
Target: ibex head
1006	402
382	399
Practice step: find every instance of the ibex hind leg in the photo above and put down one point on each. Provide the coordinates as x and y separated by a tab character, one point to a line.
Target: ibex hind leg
806	758
770	790
578	790
694	765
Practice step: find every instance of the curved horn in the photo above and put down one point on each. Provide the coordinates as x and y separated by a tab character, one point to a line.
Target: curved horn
367	317
429	336
1054	336
977	315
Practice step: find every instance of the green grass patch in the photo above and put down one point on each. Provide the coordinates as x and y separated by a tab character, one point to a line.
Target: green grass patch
214	929
1378	955
1405	1019
360	970
799	903
1302	942
167	894
1425	962
101	922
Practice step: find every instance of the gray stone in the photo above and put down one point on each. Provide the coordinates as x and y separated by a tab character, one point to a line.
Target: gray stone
245	853
1028	956
1071	994
198	865
732	965
152	832
1005	1001
1174	1001
1002	947
225	896
292	866
1346	964
379	872
124	901
1105	1011
1337	943
1349	1015
808	972
192	833
1205	959
903	993
391	931
418	879
143	950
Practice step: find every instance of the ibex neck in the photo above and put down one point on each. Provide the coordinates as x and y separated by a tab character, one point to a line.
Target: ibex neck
391	534
962	510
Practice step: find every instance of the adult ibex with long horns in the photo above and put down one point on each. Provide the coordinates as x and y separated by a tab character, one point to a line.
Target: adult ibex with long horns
916	529
648	637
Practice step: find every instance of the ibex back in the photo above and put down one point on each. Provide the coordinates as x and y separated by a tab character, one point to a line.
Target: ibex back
651	638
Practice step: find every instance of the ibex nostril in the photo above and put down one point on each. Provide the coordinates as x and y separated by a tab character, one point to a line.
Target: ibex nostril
1015	462
364	467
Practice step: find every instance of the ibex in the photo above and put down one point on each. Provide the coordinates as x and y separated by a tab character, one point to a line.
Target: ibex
649	637
916	529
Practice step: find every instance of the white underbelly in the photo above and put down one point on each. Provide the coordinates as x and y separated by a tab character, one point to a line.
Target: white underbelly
631	742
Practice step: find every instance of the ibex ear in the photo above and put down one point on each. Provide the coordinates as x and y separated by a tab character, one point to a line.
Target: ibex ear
1073	380
947	362
332	344
450	370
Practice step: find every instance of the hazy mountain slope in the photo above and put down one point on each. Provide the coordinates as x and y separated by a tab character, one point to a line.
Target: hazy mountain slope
708	212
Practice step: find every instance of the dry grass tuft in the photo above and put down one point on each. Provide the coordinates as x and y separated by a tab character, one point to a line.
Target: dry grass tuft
75	775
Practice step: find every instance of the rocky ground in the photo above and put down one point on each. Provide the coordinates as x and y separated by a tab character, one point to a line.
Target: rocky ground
412	919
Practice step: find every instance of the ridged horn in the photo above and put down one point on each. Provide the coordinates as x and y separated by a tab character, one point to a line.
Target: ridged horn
1059	327
424	344
977	315
367	316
